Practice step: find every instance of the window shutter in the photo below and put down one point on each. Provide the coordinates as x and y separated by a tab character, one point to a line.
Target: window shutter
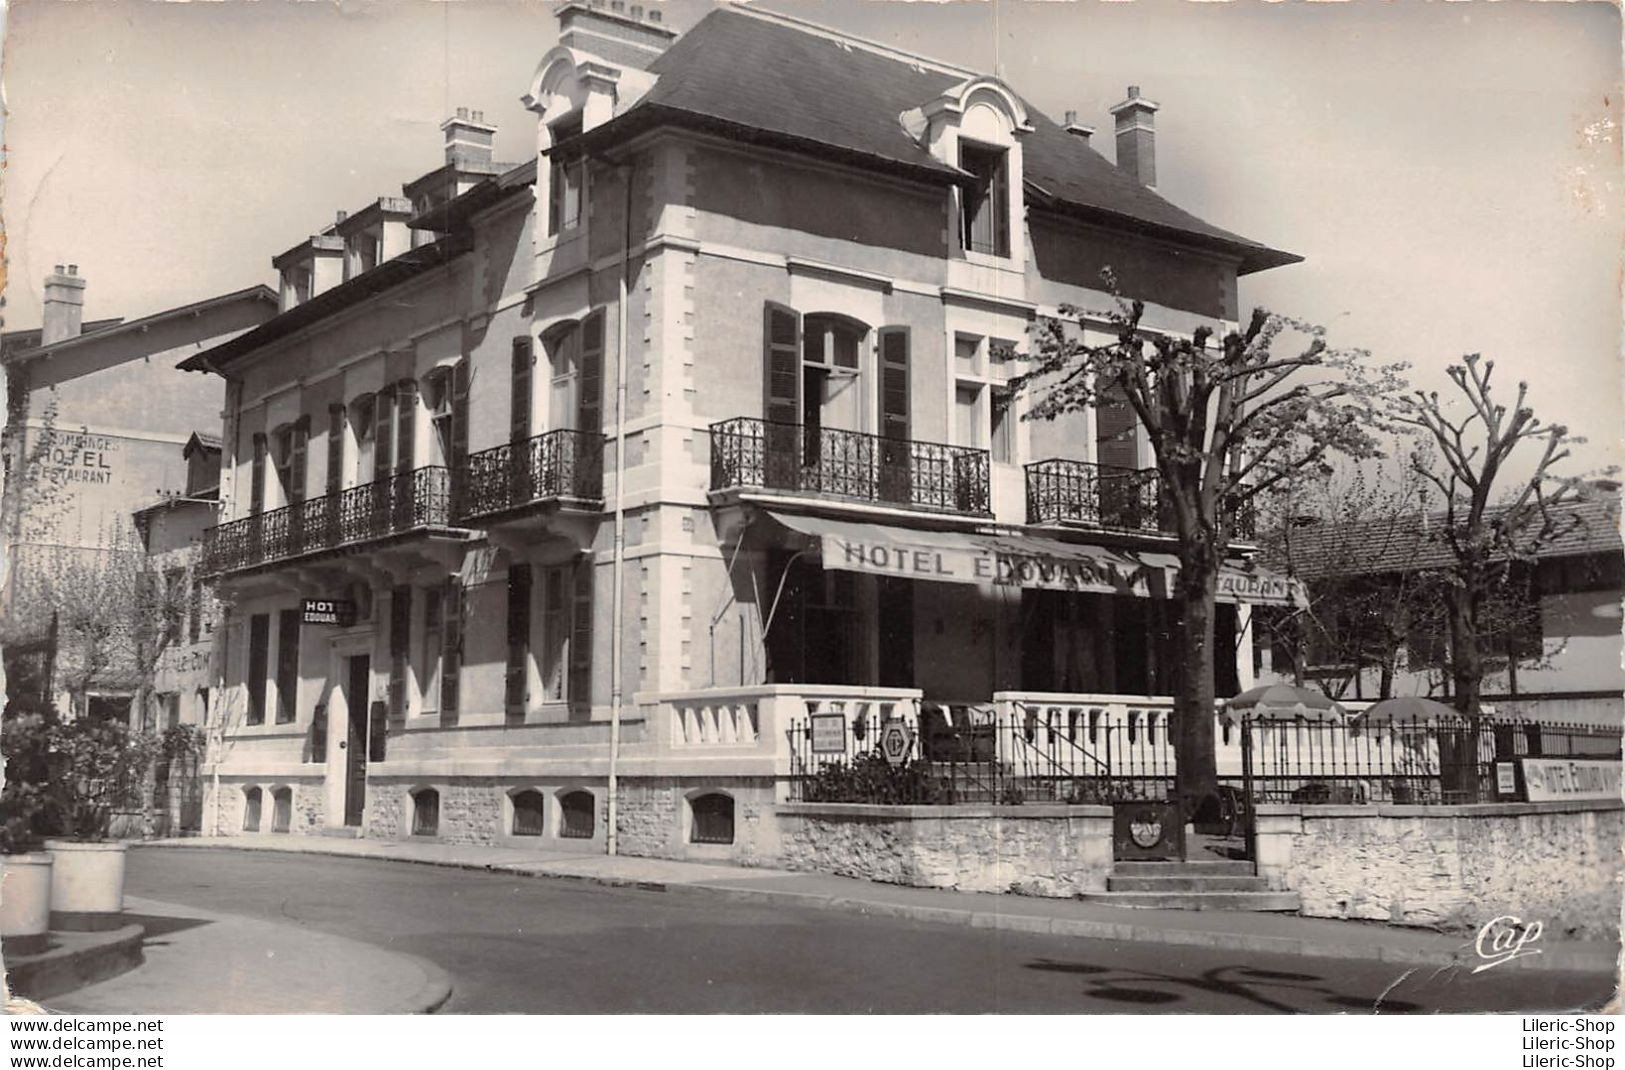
256	493
999	193
335	448
581	636
400	645
451	661
894	414
296	460
287	665
406	411
318	734
1114	430
459	415
589	402
259	658
518	676
383	422
781	358
519	417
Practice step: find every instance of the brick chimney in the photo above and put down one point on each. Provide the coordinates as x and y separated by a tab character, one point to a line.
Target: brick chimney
469	139
64	309
1077	129
1136	137
613	30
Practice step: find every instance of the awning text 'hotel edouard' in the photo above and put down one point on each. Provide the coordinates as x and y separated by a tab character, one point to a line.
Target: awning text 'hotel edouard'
1019	561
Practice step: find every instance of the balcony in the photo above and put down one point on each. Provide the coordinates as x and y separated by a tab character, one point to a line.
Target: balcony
556	466
850	465
1076	492
382	509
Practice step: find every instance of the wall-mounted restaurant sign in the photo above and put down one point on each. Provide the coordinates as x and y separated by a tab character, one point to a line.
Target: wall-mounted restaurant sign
340	612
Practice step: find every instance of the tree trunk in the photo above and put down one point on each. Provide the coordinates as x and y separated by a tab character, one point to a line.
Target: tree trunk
1197	773
1458	750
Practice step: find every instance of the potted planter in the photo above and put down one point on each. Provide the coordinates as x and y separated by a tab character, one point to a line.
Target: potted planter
94	766
25	870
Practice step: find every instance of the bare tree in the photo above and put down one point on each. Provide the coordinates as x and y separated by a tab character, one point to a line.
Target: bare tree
1493	519
1228	420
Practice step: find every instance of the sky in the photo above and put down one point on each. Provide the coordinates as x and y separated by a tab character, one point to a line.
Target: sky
1451	172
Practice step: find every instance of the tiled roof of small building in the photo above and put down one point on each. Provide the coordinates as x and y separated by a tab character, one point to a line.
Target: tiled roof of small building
1589	525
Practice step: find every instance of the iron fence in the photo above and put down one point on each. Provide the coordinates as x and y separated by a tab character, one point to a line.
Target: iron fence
399	503
973	754
555	464
1423	761
747	452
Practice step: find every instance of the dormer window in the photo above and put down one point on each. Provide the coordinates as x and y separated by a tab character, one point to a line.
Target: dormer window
985	205
564	206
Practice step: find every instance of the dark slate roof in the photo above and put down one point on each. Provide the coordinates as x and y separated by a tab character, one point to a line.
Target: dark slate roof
259	293
390	273
29	337
1589	525
770	82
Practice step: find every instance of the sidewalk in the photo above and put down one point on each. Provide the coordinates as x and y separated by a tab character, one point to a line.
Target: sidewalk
199	962
1238	931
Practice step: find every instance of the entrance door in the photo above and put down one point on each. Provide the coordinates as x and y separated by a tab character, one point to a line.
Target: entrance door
355	744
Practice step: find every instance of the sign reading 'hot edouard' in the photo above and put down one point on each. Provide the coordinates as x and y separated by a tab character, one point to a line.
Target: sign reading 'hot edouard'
1103	572
1551	779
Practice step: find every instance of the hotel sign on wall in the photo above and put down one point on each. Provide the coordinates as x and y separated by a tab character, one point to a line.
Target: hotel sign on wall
984	562
328	611
1562	779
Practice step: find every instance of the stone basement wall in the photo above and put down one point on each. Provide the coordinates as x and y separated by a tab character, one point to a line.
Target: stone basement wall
309	805
1451	867
1040	850
652	819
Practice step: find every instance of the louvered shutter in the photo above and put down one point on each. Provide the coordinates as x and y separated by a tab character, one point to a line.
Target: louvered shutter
451	659
298	448
524	359
406	412
1118	455
256	493
590	399
400	643
999	193
383	422
459	415
895	477
518	671
581	636
335	448
781	402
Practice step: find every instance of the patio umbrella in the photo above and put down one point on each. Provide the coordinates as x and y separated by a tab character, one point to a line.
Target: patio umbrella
1405	708
1284	702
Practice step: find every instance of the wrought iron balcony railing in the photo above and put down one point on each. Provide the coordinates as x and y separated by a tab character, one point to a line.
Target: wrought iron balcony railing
1130	499
400	503
1060	491
553	465
747	452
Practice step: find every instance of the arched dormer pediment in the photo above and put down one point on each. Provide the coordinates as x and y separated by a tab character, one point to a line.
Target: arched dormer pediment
926	123
568	80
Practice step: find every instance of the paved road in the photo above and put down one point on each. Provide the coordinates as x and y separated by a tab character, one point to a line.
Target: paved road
518	944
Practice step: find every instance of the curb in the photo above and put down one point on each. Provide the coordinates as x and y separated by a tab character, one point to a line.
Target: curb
64	969
1560	959
431	996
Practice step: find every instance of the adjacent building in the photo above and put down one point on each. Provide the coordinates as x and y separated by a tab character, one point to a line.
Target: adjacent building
560	497
98	414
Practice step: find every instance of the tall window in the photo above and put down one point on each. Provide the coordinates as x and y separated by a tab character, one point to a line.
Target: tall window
519	393
433	641
287	665
400	639
259	665
982	416
439	394
567	634
256	487
566	180
575	354
985	215
451	660
831	392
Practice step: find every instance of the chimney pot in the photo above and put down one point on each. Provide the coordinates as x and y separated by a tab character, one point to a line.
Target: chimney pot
1133	92
57	269
462	113
73	269
340	216
479	117
1071	117
63	307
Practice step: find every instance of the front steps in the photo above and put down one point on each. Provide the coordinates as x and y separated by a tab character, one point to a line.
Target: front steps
1190	886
